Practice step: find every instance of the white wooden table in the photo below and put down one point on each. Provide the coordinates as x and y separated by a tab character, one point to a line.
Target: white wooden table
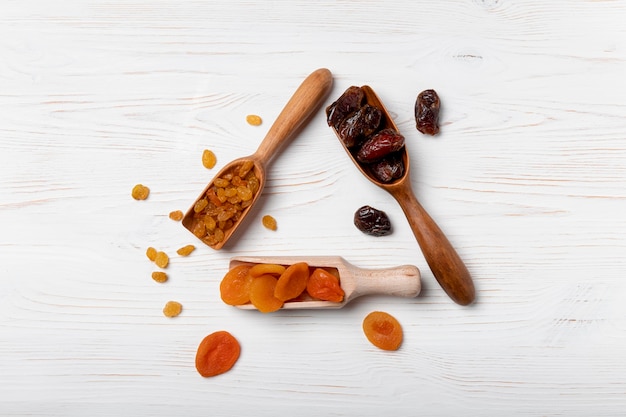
528	180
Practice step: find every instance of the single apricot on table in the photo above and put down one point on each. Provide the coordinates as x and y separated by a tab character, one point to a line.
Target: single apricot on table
217	353
383	330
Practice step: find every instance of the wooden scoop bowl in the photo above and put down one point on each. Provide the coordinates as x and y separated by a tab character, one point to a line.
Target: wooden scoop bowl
443	260
304	102
401	281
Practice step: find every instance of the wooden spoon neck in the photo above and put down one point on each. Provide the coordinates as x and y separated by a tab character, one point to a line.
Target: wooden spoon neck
402	281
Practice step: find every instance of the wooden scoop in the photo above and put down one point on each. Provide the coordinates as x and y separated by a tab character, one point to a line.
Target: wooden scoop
401	281
444	262
300	107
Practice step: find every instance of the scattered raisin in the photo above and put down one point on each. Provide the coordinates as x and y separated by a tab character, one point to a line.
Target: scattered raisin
140	192
254	120
176	215
172	309
380	145
208	159
269	222
217	353
383	330
372	221
427	112
151	253
159	276
161	259
349	102
186	250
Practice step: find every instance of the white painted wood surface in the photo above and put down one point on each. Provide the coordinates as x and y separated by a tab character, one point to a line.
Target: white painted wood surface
528	179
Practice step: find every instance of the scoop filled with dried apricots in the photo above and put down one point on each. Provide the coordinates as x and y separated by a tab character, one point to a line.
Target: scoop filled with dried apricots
271	283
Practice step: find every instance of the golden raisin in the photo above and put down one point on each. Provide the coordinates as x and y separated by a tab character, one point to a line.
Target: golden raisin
176	215
161	259
159	276
262	294
186	250
151	253
235	286
254	120
217	353
269	222
208	159
383	330
140	192
292	282
172	309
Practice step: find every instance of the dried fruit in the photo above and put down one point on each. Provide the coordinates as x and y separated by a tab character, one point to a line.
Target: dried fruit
358	126
235	286
140	192
262	269
159	276
217	353
186	250
383	330
172	309
262	294
151	253
208	159
349	102
427	107
161	259
324	286
380	145
372	221
176	215
292	282
254	120
390	168
269	222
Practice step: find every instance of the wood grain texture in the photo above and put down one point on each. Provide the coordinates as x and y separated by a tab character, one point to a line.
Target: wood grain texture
527	179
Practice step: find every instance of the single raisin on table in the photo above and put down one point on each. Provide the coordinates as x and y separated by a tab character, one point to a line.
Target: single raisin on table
349	102
427	112
359	125
372	221
380	145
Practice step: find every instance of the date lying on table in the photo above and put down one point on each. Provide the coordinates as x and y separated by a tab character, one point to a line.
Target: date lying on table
361	128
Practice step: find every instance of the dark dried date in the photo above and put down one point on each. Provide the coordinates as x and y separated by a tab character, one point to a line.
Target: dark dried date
380	145
350	101
372	221
427	112
362	123
389	168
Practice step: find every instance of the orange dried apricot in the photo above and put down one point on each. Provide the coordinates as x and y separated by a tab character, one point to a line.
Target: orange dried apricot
176	215
186	250
383	330
324	286
217	353
254	120
151	253
235	286
159	276
172	309
140	192
208	159
262	294
269	222
262	269
292	282
161	259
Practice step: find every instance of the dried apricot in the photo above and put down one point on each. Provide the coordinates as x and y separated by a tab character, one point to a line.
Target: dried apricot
140	192
186	250
151	253
235	286
262	294
161	259
324	286
269	222
383	330
172	309
159	276
254	120
176	215
208	159
262	269
292	282
217	353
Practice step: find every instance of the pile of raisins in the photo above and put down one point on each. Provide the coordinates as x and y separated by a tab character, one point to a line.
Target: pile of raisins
361	128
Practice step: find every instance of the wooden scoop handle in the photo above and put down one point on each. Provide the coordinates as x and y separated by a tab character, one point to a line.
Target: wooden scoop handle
298	109
444	262
400	281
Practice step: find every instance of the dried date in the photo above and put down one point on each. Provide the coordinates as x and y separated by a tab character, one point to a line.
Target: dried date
380	145
350	101
427	112
389	168
361	124
372	221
